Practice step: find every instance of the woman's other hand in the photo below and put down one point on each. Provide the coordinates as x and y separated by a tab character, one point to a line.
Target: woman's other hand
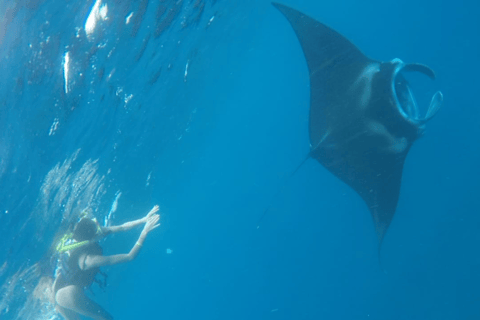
152	222
151	213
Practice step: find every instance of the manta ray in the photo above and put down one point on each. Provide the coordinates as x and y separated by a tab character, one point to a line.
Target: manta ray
363	116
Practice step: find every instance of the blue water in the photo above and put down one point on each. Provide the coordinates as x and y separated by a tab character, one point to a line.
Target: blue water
201	106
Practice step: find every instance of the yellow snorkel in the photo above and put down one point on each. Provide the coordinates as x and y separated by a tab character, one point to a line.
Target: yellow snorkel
64	247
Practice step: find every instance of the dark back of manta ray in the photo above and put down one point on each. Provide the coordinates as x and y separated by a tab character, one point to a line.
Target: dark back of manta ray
363	117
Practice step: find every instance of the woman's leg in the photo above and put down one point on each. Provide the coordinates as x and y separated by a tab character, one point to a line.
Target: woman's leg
74	298
67	314
57	285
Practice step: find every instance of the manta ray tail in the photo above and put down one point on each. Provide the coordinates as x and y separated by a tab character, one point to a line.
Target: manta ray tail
281	188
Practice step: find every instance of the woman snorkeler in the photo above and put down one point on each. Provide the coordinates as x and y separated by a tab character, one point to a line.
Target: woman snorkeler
84	262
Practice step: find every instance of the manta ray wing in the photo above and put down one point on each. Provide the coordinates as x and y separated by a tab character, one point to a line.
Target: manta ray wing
333	63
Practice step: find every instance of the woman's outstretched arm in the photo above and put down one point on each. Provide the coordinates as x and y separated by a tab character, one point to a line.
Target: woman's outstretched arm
90	262
129	225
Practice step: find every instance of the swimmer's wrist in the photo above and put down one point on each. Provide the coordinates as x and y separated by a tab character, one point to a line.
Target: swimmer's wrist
141	239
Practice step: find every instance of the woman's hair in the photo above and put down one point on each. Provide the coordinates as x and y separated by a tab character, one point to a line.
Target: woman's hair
85	229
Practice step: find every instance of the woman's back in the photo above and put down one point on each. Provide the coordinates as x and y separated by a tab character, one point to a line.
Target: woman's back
73	273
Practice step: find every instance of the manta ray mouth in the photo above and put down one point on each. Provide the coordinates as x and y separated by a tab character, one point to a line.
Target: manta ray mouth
405	99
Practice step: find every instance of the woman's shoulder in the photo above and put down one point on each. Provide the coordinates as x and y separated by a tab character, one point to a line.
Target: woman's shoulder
94	248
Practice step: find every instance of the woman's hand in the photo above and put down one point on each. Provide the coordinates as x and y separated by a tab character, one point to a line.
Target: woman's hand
150	213
152	222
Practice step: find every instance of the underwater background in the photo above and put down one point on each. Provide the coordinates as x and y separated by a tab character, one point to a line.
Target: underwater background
201	106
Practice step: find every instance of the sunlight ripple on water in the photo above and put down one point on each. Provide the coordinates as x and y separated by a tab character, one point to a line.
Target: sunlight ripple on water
98	13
